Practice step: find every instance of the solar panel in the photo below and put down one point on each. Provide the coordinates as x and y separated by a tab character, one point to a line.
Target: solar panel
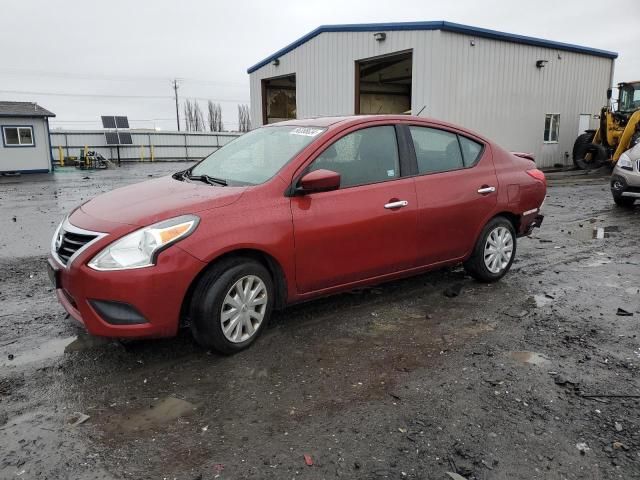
108	122
125	138
122	122
111	138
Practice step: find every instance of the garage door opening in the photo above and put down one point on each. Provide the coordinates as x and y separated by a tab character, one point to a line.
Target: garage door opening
383	84
278	99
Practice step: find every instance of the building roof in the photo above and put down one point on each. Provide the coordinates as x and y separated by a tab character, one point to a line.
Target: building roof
435	25
23	109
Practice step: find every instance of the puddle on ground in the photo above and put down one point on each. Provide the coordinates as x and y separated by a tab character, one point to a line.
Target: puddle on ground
44	351
531	358
542	300
49	349
162	412
85	342
598	263
586	231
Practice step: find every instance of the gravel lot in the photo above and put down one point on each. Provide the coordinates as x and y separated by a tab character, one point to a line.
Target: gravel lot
535	377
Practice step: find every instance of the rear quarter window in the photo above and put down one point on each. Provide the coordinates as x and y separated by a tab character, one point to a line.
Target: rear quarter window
471	151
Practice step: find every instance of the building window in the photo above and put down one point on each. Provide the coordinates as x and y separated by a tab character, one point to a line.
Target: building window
18	136
551	127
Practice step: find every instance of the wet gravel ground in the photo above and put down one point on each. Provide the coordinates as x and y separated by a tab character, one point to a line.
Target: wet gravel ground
535	377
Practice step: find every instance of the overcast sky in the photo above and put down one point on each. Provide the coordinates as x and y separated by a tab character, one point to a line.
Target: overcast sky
82	59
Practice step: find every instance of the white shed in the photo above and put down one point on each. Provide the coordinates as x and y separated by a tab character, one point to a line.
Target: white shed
528	94
26	146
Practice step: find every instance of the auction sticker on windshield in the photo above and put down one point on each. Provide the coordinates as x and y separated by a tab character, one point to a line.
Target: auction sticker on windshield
306	131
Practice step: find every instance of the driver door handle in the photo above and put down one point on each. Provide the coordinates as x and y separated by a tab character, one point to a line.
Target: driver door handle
398	204
486	189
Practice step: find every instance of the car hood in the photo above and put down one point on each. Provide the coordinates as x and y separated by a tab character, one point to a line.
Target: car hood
152	201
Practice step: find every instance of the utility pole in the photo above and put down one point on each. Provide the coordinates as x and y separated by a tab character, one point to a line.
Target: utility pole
175	89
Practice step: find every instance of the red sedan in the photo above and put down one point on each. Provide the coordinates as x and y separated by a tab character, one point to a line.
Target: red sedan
287	213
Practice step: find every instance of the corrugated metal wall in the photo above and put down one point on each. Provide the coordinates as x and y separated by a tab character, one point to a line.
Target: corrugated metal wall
493	87
325	70
496	89
165	145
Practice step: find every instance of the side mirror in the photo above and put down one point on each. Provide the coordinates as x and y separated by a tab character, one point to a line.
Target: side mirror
318	181
609	93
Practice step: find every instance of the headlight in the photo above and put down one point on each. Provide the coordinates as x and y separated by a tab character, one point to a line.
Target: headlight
140	248
625	162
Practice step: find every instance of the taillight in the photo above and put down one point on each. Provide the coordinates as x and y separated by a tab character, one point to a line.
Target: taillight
537	174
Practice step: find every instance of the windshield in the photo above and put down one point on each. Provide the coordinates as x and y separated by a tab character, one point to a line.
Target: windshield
629	97
256	156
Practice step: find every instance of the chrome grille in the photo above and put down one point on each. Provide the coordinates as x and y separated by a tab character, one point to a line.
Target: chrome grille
70	243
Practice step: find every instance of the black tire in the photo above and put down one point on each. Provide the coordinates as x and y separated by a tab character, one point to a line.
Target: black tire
624	201
584	138
589	156
475	264
208	298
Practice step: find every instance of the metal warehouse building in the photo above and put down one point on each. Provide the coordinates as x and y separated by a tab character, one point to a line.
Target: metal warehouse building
526	93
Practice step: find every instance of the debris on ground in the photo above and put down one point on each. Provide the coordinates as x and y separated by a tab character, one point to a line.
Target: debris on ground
78	418
563	381
582	447
308	460
453	291
623	313
455	476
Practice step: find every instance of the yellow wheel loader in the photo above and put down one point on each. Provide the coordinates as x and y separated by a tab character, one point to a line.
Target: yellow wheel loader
619	130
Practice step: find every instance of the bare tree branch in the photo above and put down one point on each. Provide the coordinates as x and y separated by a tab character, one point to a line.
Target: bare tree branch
214	112
244	118
198	119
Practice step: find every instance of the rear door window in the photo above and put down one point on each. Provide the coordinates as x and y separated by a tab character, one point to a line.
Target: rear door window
365	156
436	150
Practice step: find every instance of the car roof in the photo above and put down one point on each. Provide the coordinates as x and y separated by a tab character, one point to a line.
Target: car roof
312	122
350	120
355	119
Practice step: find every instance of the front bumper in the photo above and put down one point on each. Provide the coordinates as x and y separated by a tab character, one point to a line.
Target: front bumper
144	302
625	184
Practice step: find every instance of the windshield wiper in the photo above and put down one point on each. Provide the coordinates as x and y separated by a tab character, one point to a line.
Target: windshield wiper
207	179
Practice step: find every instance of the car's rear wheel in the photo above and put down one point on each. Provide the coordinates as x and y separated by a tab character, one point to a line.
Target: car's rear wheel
231	305
494	251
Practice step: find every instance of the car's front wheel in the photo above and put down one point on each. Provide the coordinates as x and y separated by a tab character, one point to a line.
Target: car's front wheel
624	201
494	251
231	305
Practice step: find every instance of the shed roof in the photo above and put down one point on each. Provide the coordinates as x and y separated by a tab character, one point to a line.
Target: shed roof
23	109
435	25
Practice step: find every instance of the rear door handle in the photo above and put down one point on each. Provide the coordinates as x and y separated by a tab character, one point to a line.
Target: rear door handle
398	204
486	189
